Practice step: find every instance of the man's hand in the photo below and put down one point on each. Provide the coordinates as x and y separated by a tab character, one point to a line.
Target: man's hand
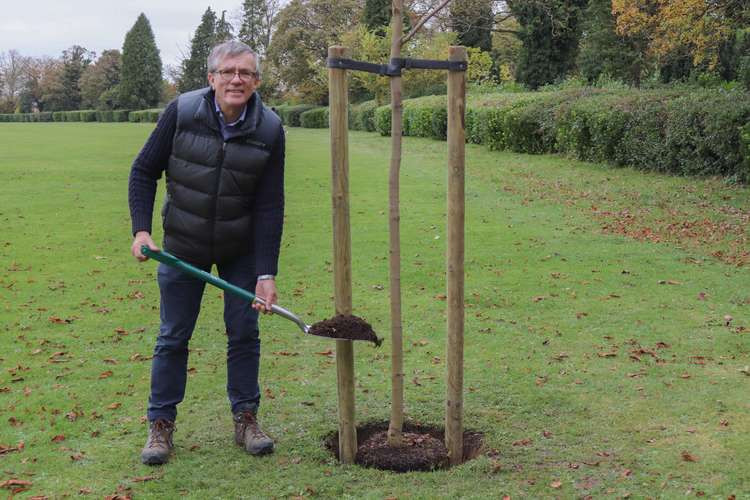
142	238
266	290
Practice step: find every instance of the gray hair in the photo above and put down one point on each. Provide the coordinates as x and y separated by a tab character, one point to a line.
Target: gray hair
231	48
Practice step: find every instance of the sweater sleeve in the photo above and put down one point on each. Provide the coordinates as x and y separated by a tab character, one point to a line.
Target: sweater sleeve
268	212
147	169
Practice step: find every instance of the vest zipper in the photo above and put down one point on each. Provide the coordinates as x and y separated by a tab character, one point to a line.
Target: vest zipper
216	199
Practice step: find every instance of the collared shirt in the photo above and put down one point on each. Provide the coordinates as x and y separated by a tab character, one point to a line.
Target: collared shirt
227	129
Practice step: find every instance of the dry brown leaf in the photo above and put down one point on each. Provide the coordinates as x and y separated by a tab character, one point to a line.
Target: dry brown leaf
687	457
555	484
59	438
106	374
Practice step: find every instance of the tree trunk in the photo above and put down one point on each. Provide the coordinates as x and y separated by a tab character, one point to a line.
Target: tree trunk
397	349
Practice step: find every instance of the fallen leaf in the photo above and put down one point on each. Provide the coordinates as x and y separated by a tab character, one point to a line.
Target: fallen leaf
106	374
555	484
606	354
14	483
702	296
327	352
523	442
58	438
142	479
687	457
114	406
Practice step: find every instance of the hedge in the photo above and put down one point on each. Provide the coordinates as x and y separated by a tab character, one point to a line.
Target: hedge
314	118
86	115
290	115
145	115
362	116
683	132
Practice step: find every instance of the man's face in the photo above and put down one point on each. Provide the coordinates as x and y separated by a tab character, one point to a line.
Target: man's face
234	81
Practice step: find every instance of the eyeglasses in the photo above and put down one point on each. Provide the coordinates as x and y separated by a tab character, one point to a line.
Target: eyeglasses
227	75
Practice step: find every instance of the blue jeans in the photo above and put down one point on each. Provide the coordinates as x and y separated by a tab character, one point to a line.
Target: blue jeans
181	297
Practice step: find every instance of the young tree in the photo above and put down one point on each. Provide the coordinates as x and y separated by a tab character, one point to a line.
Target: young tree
195	67
472	21
140	77
99	80
549	33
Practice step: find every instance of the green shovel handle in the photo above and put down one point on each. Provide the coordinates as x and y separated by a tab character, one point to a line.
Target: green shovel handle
172	261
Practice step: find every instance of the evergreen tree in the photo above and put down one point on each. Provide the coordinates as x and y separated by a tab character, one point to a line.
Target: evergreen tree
195	67
75	60
223	30
603	51
255	28
472	21
549	33
140	77
377	15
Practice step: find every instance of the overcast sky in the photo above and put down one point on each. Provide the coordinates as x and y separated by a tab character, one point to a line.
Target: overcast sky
47	27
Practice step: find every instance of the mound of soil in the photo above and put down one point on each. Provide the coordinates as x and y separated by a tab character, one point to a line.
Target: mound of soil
347	328
423	448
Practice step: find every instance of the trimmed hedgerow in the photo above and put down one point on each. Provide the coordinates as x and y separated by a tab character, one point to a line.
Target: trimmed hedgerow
104	115
88	115
678	131
362	116
290	114
314	118
120	115
145	115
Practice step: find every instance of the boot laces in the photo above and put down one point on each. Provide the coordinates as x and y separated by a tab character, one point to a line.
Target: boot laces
159	434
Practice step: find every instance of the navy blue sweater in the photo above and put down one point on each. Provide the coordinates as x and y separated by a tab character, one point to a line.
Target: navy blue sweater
268	211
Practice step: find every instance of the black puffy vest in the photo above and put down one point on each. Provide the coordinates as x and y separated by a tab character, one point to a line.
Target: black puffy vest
211	183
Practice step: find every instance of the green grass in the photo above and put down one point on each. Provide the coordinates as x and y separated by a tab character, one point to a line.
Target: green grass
598	357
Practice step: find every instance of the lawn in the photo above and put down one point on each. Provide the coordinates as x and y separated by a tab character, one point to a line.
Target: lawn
607	328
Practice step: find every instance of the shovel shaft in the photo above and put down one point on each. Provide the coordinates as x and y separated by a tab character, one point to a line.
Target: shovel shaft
170	260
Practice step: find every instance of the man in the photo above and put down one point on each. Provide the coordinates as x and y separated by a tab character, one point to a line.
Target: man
222	152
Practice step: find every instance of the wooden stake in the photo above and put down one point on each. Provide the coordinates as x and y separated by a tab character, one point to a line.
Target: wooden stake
455	260
342	252
397	350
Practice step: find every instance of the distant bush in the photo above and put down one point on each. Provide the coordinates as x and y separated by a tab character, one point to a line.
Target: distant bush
72	116
314	118
58	116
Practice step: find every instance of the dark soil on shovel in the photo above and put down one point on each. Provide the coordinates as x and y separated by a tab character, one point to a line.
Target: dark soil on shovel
423	448
347	328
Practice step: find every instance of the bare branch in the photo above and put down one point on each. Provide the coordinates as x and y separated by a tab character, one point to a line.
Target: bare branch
424	19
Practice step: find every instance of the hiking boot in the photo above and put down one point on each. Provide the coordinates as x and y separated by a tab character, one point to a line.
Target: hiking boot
159	443
247	433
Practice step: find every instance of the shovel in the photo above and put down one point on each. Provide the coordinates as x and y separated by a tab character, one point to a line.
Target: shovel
339	327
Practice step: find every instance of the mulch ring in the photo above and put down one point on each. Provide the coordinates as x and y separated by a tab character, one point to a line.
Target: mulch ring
347	328
423	450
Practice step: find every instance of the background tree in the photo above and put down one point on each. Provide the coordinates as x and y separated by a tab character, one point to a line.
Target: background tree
254	27
140	78
224	30
299	47
195	67
603	51
682	34
377	15
549	33
12	69
74	63
99	81
472	21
